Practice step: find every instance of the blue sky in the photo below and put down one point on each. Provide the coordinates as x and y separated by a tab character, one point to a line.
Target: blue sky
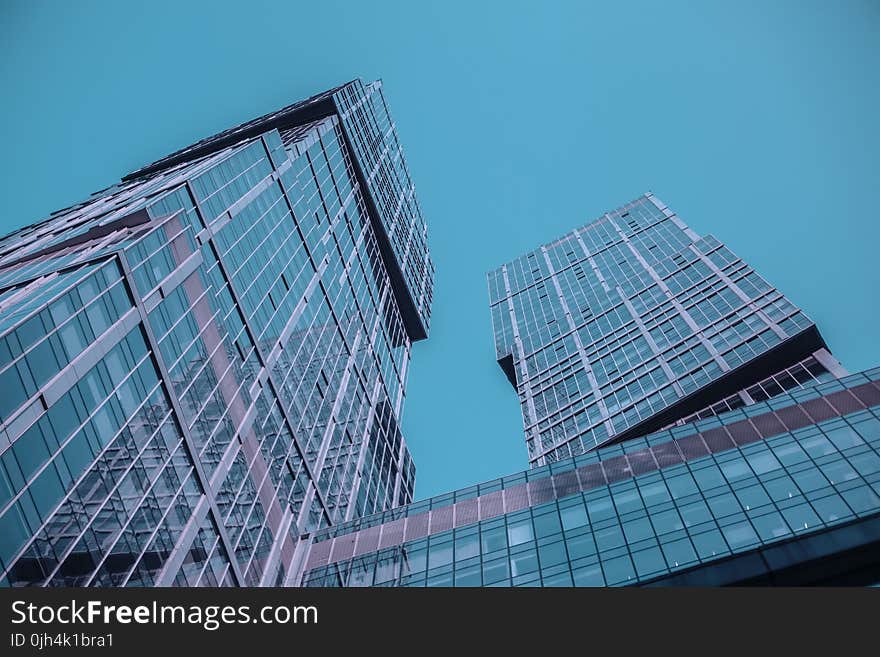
755	121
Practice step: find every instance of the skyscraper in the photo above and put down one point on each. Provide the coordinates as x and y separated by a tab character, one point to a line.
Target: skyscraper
634	322
686	424
207	361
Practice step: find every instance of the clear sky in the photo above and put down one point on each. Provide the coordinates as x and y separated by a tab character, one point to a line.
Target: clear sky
756	121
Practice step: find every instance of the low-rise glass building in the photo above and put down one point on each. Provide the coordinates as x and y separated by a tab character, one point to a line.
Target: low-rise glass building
785	491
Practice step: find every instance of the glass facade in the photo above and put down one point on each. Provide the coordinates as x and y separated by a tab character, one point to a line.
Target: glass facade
634	322
779	475
207	361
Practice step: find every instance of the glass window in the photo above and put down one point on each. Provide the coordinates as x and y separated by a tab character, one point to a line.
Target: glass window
14	532
524	562
493	539
627	500
600	509
386	569
667	521
441	580
740	535
14	393
609	538
763	462
31	451
869	429
695	513
573	516
710	544
861	499
708	477
618	570
735	469
7	490
415	559
588	576
679	553
724	505
844	437
520	531
649	562
637	530
46	491
547	524
832	508
770	526
495	571
43	362
361	573
781	488
468	576
817	446
560	579
467	546
839	471
790	453
866	464
801	517
654	493
552	554
681	486
809	480
752	497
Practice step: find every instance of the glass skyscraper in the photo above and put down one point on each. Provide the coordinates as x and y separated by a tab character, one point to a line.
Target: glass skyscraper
685	423
206	362
634	322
